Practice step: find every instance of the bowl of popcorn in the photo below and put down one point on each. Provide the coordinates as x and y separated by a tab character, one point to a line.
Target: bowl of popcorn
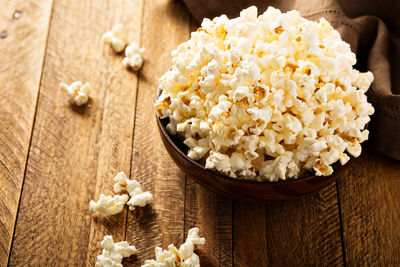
264	107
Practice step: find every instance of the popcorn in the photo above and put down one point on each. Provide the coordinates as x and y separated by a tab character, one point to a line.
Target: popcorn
78	93
218	161
266	98
322	169
239	162
276	169
123	183
108	205
116	38
133	53
138	197
354	150
133	56
193	236
185	256
364	80
113	253
344	158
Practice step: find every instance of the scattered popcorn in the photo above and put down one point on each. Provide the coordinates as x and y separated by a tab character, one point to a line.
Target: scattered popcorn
123	183
133	56
193	236
78	93
138	197
266	97
113	253
108	205
116	38
185	256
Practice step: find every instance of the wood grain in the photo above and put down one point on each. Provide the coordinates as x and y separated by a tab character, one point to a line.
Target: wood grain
300	232
213	215
370	204
117	125
249	237
75	152
304	232
165	24
22	51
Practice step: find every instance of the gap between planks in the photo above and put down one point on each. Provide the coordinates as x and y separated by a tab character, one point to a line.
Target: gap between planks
33	123
24	87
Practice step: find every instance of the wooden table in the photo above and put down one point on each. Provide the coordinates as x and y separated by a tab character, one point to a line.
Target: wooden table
54	158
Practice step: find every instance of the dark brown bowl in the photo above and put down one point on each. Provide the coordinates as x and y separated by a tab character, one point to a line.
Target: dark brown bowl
242	189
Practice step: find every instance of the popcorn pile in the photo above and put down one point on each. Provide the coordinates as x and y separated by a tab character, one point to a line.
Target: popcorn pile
78	93
185	256
110	205
133	53
268	97
113	253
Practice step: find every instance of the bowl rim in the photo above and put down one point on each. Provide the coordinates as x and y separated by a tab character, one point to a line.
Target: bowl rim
336	167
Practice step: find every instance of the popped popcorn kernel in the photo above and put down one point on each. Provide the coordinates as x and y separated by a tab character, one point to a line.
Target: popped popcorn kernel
113	253
138	198
116	37
133	56
266	97
108	205
184	256
78	93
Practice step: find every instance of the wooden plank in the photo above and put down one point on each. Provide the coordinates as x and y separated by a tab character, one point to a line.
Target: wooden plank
370	203
75	152
117	127
305	232
165	25
213	215
23	35
249	238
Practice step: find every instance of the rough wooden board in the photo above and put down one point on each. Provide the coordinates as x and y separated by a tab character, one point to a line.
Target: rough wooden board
164	25
370	205
22	53
213	215
305	232
249	240
117	124
69	148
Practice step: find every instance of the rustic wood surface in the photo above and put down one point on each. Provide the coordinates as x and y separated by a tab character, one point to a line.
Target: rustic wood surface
55	158
23	33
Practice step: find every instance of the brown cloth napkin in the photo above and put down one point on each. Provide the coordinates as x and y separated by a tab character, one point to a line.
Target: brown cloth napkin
371	27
